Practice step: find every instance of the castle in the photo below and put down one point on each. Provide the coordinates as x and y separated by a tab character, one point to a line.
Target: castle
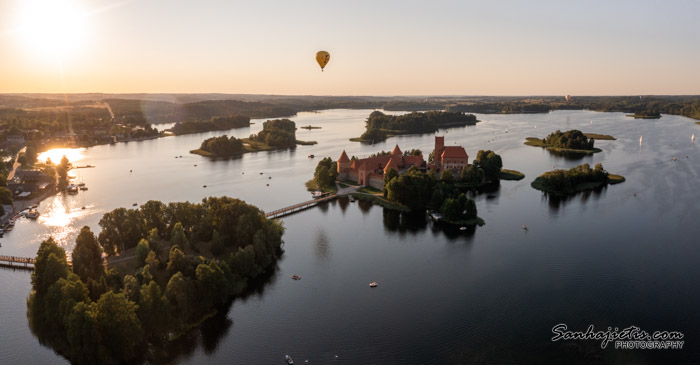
370	171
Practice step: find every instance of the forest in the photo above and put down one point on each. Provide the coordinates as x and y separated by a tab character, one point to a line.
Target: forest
212	124
190	261
380	126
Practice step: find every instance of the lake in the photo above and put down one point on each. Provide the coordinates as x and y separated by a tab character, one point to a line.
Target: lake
485	295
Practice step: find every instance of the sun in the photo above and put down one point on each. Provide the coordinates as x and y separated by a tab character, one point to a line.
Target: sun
51	27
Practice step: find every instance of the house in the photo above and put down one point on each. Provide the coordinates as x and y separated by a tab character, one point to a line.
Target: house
370	171
15	139
449	157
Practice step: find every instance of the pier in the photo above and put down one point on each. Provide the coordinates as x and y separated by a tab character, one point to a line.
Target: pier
297	207
25	263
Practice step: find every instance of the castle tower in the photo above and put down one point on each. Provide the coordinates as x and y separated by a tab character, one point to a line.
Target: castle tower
343	163
437	152
396	151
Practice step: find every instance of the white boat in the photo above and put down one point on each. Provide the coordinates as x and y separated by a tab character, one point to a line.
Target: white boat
373	284
692	138
288	359
462	228
318	194
72	188
33	214
640	139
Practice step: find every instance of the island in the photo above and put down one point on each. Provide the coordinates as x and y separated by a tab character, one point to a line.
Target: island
179	264
646	114
276	134
380	126
573	141
405	181
574	180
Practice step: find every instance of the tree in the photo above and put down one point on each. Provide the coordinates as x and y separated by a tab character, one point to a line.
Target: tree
323	178
178	236
5	196
446	176
389	175
177	261
118	326
153	310
82	334
50	265
142	250
87	256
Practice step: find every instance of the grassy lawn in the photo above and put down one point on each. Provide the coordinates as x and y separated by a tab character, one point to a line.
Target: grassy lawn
511	175
369	190
379	200
312	186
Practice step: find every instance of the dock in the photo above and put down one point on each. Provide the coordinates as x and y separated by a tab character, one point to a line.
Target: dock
297	207
25	263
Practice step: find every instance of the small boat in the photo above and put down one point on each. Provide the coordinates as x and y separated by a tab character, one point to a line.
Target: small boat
269	177
135	204
33	214
288	359
81	184
373	284
462	228
674	158
82	208
506	130
692	138
640	139
318	194
296	277
261	173
311	156
195	165
267	184
204	186
524	227
72	188
83	188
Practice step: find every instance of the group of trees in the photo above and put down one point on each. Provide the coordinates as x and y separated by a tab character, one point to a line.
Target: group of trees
277	133
326	173
223	146
418	191
213	124
565	181
95	316
486	168
232	219
573	139
379	124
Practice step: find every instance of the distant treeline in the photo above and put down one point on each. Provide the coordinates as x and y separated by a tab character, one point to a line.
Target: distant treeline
379	125
213	124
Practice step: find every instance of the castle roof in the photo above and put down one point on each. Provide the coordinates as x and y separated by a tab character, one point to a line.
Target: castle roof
391	165
343	157
396	151
454	152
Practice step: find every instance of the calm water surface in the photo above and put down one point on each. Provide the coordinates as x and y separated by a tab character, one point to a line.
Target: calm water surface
489	295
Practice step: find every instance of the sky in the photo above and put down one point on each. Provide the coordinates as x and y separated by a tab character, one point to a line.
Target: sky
377	47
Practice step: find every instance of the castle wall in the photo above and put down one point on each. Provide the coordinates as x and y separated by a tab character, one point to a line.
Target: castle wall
376	182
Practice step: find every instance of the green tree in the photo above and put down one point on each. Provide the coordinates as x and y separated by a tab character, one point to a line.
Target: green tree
87	256
118	326
177	262
178	236
142	250
5	196
153	310
152	260
446	176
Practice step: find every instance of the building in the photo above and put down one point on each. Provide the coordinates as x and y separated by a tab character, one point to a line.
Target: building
449	157
15	139
370	171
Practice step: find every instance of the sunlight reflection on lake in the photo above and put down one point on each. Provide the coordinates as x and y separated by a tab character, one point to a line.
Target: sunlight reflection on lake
59	216
73	154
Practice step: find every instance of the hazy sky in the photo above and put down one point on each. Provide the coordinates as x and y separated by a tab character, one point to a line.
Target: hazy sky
377	47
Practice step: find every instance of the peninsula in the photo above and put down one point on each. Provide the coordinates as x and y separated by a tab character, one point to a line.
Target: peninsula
574	180
646	114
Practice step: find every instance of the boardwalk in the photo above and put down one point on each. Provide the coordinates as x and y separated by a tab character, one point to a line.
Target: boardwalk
17	262
298	207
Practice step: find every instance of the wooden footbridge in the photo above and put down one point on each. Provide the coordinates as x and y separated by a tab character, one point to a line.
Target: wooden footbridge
17	262
297	207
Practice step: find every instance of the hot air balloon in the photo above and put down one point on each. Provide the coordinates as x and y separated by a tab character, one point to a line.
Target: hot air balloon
567	97
322	57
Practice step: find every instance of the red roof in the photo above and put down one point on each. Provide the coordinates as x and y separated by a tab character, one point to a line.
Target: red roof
396	151
343	157
454	152
391	165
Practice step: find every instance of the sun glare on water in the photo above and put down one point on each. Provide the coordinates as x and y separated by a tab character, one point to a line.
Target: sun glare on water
73	155
51	27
